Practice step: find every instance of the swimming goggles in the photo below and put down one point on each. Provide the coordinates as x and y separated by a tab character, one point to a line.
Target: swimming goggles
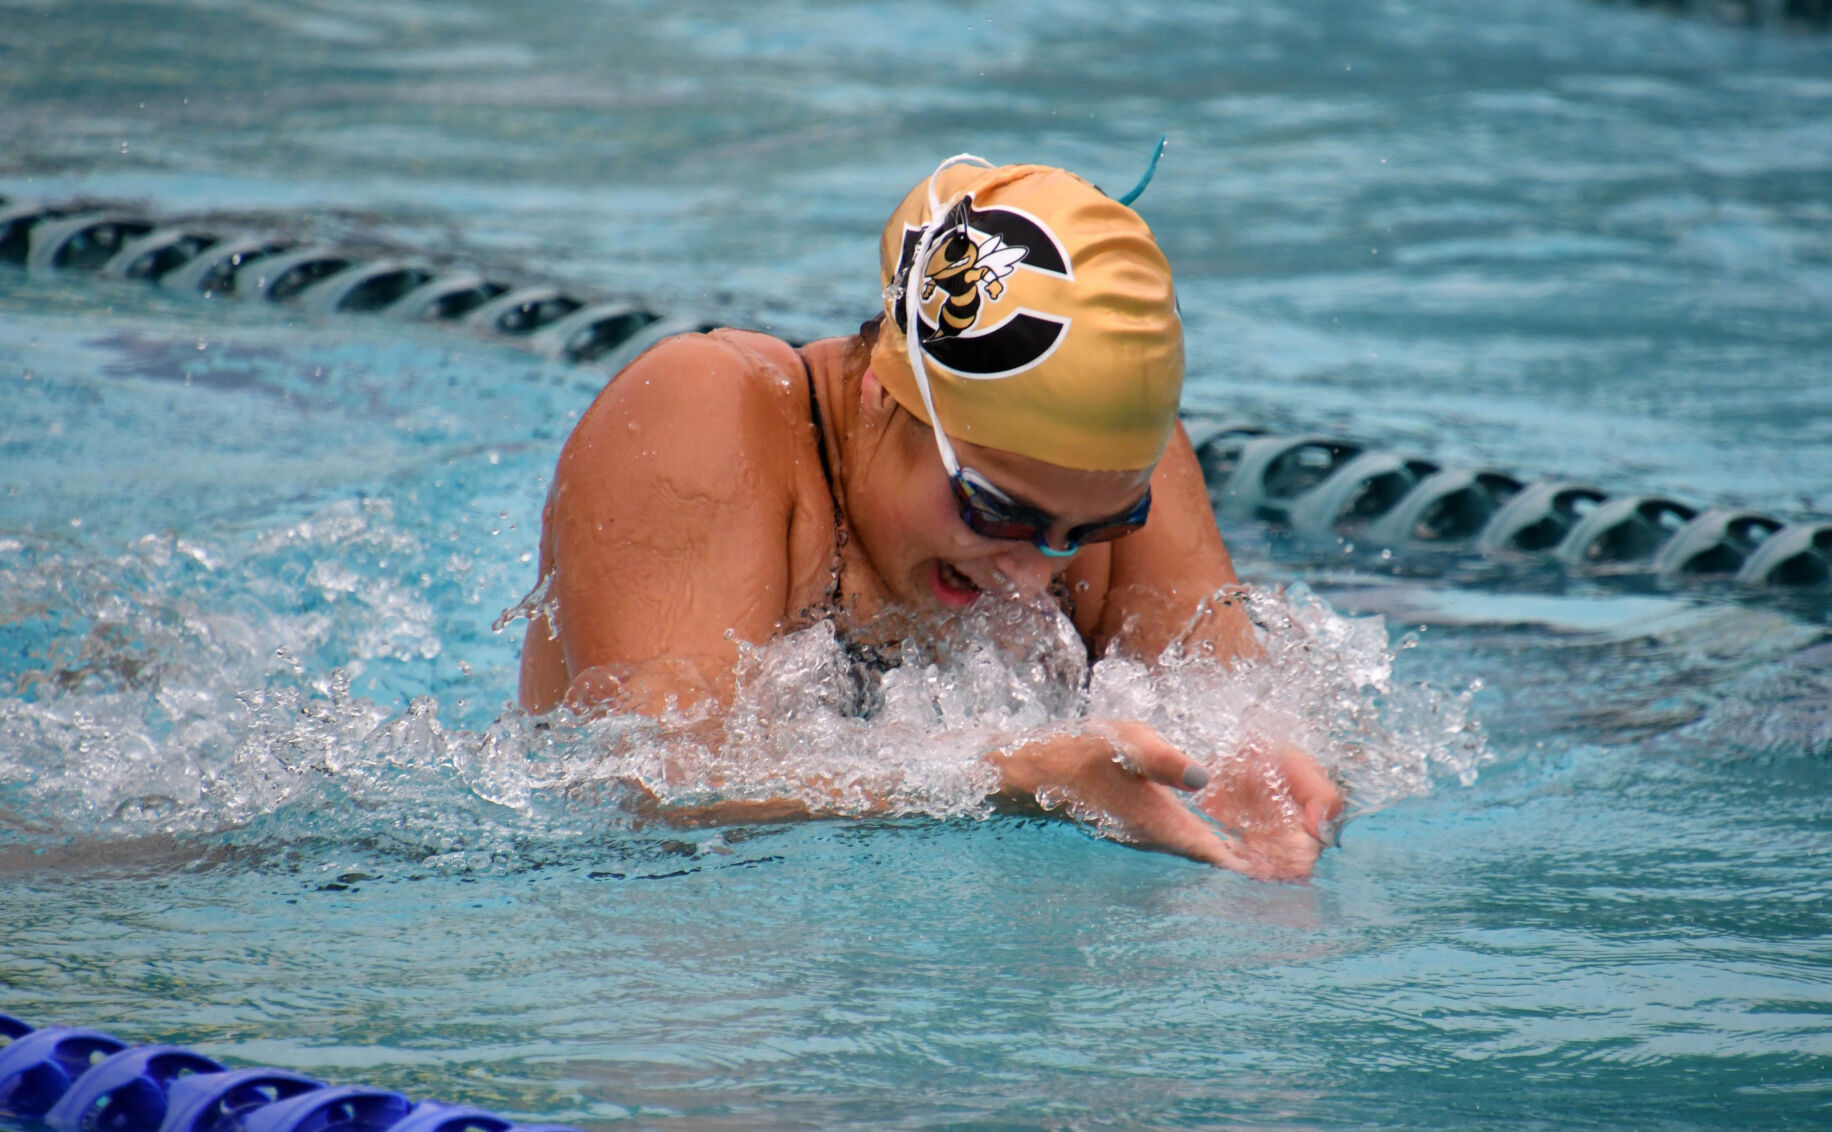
983	507
992	513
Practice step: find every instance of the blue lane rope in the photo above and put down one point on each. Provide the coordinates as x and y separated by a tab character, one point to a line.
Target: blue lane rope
74	1080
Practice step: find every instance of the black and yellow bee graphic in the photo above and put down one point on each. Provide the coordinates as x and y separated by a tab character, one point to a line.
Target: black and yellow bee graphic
968	271
990	320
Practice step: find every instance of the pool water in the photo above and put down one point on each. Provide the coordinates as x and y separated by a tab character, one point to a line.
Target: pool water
261	793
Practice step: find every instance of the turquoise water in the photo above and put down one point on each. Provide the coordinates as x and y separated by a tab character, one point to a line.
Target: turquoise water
258	790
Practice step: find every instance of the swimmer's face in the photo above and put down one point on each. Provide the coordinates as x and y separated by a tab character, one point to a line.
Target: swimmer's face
912	528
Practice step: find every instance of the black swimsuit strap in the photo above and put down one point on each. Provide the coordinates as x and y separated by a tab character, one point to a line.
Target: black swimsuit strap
820	440
868	661
833	490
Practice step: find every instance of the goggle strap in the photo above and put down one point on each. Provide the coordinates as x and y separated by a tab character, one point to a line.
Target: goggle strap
912	308
913	347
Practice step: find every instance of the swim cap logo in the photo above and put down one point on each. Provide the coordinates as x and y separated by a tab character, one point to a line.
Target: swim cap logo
966	327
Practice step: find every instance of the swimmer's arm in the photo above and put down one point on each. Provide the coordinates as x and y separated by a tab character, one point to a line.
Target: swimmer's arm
1121	777
667	532
668	537
1172	582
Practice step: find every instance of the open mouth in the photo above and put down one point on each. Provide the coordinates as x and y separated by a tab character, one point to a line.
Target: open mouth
954	589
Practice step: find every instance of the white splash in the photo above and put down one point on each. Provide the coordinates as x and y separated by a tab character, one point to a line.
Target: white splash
206	690
1325	684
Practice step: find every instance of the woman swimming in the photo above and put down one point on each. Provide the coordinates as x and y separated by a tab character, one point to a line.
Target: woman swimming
1005	431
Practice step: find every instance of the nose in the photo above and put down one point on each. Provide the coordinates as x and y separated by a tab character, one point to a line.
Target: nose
1026	569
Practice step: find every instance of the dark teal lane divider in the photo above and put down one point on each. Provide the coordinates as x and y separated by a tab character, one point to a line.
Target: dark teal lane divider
76	1080
1328	492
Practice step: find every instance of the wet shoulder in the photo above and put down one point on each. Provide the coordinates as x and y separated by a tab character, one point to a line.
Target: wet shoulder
723	392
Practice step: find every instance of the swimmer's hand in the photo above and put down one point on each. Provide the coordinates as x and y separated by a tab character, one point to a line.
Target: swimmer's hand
1128	781
1280	806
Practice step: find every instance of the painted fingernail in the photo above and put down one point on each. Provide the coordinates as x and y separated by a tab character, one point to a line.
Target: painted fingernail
1194	777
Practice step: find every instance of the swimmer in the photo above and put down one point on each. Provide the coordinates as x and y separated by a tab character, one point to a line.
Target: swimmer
1006	430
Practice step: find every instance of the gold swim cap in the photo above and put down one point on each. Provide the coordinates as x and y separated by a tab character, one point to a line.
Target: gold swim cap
1046	320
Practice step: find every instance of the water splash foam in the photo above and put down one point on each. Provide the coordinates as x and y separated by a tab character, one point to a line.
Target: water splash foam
200	690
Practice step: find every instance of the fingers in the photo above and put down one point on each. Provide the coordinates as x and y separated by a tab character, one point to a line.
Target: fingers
1164	825
1313	790
1211	850
1186	835
1284	817
1313	822
1146	753
1290	857
1119	777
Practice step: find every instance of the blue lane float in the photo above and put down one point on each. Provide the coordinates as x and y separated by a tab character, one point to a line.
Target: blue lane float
38	1067
75	1080
221	1102
126	1091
